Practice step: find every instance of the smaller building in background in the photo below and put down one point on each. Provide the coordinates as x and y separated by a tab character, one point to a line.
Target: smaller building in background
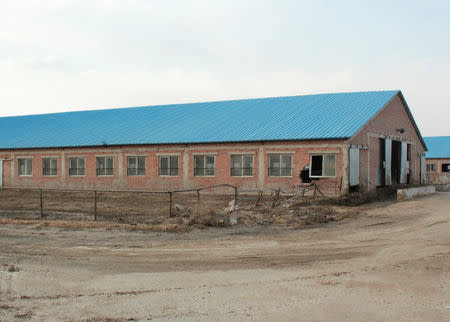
438	159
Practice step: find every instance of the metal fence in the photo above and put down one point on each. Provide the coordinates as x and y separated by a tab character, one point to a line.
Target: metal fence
139	206
110	205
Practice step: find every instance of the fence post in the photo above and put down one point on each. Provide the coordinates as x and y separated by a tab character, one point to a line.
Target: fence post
260	194
95	205
41	205
235	197
170	204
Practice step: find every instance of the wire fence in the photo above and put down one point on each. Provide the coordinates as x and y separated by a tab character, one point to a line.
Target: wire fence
110	205
138	206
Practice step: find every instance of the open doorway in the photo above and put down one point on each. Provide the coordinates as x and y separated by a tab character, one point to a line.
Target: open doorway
408	160
396	161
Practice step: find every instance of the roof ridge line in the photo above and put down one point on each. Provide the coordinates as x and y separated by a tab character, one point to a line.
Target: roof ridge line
191	103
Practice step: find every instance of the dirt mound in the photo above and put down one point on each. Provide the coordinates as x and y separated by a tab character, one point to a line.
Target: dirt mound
294	217
10	267
357	198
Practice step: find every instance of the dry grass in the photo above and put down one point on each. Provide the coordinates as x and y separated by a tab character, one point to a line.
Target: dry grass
117	207
77	224
149	212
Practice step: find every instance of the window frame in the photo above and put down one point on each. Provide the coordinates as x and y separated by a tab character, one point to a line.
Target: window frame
50	159
280	154
445	165
168	156
97	168
204	156
77	168
26	168
137	174
432	166
323	161
242	155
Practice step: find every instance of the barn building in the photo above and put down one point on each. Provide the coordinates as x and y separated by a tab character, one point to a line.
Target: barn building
438	159
357	140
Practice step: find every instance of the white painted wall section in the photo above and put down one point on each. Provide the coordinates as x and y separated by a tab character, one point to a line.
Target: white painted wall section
354	166
387	163
404	167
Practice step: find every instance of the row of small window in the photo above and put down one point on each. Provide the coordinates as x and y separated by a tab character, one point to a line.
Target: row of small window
168	166
242	165
431	167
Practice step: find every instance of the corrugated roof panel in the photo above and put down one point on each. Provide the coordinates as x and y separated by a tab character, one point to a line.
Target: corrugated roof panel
438	146
337	115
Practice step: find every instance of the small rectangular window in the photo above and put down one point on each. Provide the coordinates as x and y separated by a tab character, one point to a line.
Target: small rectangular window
446	167
168	165
204	165
280	165
241	165
136	166
323	165
76	166
105	166
431	167
25	166
49	166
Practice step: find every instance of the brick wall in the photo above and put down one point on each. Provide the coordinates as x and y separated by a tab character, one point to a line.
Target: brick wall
385	125
301	151
438	176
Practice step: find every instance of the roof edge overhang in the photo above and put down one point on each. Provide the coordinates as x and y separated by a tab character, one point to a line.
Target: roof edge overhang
437	158
416	128
161	144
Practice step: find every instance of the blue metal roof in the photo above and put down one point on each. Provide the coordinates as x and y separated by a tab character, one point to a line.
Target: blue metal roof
320	116
438	146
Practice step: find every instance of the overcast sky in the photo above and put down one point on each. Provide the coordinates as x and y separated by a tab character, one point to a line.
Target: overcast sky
58	55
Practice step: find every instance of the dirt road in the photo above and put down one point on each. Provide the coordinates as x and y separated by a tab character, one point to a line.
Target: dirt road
390	263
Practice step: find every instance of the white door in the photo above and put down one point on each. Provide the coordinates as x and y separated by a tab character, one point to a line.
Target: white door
404	167
422	169
354	166
387	163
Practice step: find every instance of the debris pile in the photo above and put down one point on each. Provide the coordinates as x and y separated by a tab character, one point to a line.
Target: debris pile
294	215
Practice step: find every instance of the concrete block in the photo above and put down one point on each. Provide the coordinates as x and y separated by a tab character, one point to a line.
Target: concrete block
442	187
409	193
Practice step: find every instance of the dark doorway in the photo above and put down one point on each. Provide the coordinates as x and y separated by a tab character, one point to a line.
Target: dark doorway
408	159
381	175
396	161
316	165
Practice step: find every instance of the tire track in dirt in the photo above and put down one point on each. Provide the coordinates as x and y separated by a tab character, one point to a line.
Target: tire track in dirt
175	289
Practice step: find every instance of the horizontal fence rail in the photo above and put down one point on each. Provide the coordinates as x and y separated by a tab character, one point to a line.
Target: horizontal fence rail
124	205
95	195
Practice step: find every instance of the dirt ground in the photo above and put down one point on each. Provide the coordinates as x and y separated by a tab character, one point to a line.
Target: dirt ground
389	262
150	211
119	207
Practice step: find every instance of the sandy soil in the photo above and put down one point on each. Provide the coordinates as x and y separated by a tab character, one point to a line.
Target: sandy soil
391	262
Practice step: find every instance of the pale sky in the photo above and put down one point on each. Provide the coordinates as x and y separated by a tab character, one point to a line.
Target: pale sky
65	55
